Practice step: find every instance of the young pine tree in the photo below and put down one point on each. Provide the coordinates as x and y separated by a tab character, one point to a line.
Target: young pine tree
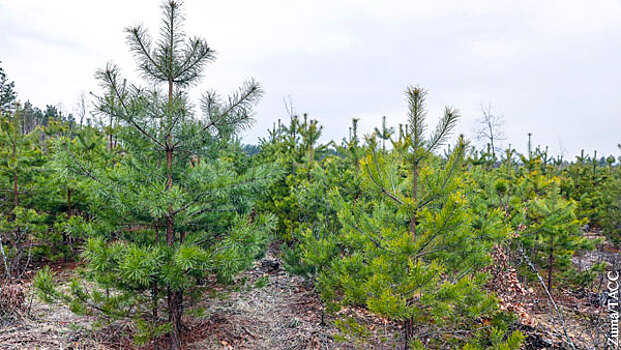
170	207
20	160
296	148
547	223
408	247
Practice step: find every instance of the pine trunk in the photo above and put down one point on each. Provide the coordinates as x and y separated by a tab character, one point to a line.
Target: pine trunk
550	263
409	322
154	297
155	290
15	191
408	326
175	298
15	184
414	196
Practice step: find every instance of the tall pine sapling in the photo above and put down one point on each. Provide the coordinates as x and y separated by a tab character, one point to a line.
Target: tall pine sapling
169	209
409	250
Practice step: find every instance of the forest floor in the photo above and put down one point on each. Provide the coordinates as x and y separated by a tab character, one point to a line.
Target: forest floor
271	310
275	310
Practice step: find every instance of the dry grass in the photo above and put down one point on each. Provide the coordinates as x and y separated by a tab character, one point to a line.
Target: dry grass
275	310
283	314
272	310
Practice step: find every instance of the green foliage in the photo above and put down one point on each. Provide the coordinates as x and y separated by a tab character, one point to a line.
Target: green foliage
299	199
595	185
7	93
146	331
33	215
496	339
407	247
261	282
348	326
533	198
160	199
44	285
295	149
170	194
610	217
20	228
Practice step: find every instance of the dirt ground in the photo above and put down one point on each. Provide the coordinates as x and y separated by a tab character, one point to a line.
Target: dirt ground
275	310
272	310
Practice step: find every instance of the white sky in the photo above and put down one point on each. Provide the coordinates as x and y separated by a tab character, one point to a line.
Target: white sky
552	68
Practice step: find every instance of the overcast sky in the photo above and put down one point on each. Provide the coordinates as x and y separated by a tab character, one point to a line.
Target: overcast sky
552	68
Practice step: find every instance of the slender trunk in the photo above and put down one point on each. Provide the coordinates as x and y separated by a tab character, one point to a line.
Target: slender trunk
110	135
408	326
154	296
155	290
170	223
175	298
169	159
14	217
15	184
414	197
169	146
310	162
550	263
15	191
64	233
409	322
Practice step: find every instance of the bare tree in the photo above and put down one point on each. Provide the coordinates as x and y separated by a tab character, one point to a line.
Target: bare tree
489	128
289	105
81	107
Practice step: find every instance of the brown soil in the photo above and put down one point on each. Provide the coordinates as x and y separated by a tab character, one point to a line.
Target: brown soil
275	310
272	310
